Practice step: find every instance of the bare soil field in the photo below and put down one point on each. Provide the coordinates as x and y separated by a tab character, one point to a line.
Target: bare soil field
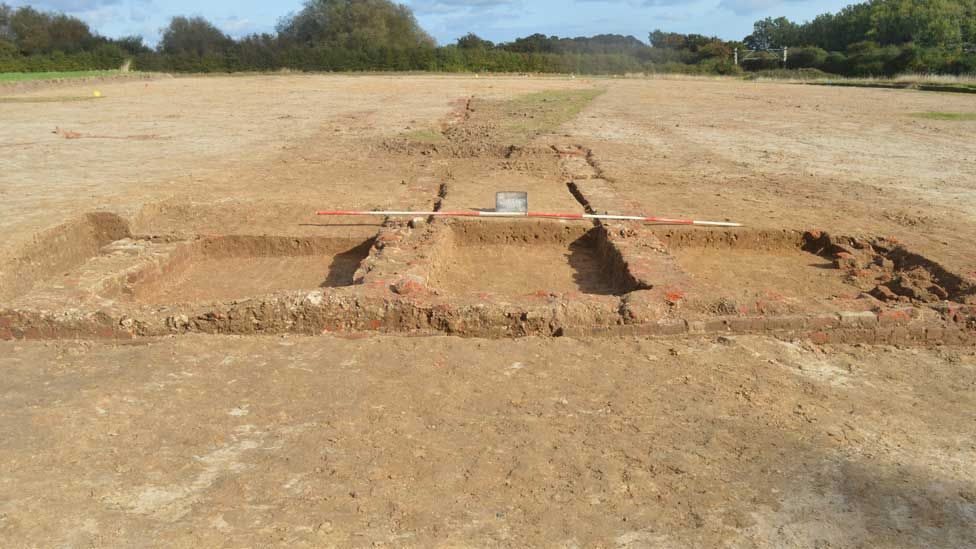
195	358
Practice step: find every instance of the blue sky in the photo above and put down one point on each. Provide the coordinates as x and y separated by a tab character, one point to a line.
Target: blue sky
446	20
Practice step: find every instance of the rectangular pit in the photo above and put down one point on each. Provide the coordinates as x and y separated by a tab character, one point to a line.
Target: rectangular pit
753	271
521	257
237	267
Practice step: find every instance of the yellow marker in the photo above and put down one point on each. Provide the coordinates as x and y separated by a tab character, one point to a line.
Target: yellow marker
96	93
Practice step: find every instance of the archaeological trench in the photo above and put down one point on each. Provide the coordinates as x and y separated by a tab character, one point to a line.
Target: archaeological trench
105	275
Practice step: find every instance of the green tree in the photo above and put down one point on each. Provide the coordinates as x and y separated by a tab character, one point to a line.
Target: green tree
69	34
6	33
534	43
355	25
31	31
472	41
773	33
132	45
668	40
193	36
806	58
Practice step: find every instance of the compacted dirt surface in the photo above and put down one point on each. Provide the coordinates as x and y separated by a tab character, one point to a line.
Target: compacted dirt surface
390	441
192	357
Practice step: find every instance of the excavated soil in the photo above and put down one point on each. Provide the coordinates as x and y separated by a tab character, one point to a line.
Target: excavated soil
494	277
738	271
227	268
700	435
792	271
513	259
58	250
796	277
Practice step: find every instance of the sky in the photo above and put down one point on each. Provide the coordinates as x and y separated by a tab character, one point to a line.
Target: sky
446	20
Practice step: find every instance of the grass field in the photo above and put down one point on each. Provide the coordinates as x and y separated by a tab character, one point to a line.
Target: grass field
935	115
55	99
26	76
922	82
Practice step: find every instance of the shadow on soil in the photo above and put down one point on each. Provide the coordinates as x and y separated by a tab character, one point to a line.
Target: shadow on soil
343	268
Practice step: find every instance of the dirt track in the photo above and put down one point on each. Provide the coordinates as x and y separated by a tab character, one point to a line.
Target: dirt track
712	440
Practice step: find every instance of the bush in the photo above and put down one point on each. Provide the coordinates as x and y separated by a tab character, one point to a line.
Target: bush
806	58
720	66
836	63
791	74
763	61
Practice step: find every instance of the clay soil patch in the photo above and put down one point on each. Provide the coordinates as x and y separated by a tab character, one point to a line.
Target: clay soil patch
239	267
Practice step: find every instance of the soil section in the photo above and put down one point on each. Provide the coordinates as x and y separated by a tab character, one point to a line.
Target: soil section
238	267
746	271
738	279
526	257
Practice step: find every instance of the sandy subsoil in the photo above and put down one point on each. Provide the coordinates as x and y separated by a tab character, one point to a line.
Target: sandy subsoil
257	441
227	140
208	278
798	279
777	155
417	442
572	268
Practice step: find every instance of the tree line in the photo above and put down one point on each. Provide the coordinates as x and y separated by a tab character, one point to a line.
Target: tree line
32	41
878	37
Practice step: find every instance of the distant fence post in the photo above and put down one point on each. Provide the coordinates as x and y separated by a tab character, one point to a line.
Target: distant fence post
736	56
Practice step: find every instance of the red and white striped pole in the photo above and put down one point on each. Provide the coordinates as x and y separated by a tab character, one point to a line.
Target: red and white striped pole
642	218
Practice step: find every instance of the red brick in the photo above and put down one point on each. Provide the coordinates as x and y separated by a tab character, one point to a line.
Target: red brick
898	317
409	285
820	338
